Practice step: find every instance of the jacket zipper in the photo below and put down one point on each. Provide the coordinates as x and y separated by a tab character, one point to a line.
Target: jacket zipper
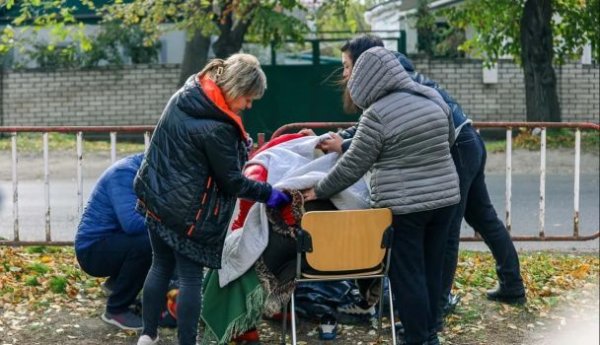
216	211
202	202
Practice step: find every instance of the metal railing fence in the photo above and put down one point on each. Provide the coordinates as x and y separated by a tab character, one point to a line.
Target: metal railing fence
509	126
146	130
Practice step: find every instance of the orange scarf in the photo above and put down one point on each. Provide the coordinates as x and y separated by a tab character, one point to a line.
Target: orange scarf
214	93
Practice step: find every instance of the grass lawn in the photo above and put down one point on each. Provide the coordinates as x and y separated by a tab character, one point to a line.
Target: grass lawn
560	138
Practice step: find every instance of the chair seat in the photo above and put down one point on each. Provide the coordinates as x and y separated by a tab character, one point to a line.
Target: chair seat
344	276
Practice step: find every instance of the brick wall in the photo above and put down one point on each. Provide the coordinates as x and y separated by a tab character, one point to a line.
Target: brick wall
505	101
137	94
105	96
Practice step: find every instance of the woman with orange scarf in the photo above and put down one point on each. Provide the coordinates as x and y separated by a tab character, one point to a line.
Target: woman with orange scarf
189	181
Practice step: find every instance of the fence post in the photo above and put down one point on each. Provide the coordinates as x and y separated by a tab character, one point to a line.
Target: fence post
113	147
15	183
47	187
273	54
402	42
79	174
316	52
508	190
576	183
542	182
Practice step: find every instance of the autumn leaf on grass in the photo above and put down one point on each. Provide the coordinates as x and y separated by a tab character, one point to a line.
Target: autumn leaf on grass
581	272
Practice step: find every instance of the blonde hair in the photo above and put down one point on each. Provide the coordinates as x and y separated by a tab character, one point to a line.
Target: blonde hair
238	75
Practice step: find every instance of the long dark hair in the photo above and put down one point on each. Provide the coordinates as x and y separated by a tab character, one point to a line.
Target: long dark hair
354	48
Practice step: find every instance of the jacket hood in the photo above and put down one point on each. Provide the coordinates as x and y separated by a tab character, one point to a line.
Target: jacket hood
203	99
377	73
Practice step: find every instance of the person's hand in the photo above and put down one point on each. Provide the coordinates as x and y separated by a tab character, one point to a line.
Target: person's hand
307	131
333	144
278	199
309	194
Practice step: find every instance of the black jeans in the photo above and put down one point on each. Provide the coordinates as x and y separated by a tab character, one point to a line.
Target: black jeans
469	157
125	259
416	269
189	300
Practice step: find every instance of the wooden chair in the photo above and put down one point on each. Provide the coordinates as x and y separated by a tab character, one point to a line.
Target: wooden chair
340	245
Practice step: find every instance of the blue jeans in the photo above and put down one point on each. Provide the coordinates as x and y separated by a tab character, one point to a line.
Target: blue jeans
125	259
469	157
189	300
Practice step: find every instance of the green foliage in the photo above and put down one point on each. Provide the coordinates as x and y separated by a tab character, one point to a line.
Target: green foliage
557	138
32	281
115	36
51	56
436	40
497	27
58	284
39	268
36	249
270	21
425	28
143	22
68	46
55	15
342	16
269	26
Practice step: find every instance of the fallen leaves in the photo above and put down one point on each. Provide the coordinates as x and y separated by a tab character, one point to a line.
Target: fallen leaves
38	278
39	283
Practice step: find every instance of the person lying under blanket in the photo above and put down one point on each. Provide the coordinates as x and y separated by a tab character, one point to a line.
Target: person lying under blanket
259	257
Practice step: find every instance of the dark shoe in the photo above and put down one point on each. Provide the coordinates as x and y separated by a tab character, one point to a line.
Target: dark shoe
433	338
399	329
126	321
450	304
501	295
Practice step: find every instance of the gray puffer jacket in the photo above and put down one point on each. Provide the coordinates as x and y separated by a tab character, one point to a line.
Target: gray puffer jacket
404	136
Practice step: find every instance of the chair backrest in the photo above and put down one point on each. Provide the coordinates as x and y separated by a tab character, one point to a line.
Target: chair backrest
346	241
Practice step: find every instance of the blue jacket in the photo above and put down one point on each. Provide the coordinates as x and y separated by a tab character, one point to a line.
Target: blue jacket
111	206
458	115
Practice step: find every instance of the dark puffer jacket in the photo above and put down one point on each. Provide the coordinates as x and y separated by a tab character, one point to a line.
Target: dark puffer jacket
191	176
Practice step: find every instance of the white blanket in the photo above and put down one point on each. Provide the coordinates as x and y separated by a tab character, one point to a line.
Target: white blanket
291	165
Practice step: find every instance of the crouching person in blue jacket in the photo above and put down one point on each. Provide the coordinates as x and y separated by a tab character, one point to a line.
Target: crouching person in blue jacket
112	241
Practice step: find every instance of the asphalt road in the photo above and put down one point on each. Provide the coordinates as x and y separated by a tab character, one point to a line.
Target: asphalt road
525	199
525	206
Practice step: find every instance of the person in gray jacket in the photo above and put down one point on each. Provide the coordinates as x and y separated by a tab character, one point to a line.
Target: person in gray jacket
469	154
403	138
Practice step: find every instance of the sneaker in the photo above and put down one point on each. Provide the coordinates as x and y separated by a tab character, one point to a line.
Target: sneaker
328	327
127	320
399	329
146	340
451	304
356	309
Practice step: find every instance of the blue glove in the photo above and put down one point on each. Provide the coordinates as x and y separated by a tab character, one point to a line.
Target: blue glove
278	198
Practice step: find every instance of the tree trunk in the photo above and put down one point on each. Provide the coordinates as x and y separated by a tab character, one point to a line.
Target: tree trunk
231	35
194	56
536	53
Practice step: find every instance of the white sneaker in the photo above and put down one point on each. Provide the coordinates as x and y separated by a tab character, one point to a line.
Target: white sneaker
146	340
